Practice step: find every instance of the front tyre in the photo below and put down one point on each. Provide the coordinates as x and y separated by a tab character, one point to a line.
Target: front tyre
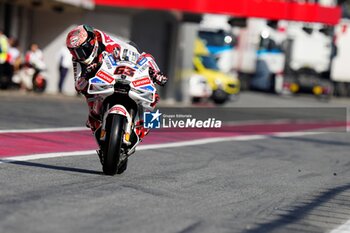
114	137
219	96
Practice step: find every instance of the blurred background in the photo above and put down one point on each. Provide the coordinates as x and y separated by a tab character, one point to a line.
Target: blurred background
211	50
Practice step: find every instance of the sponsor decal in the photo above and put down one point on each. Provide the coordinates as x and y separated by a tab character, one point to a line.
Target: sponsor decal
142	61
141	82
104	76
108	63
111	59
124	56
134	57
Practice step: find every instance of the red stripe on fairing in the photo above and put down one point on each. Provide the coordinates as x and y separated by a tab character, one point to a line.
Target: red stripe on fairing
15	144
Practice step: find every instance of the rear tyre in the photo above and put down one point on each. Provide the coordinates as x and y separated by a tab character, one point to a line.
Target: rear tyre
111	153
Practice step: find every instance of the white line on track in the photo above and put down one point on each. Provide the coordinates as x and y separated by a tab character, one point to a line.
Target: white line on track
344	228
161	146
45	130
233	123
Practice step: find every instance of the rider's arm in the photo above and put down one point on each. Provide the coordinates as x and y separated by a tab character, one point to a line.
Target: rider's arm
80	78
127	51
76	73
154	71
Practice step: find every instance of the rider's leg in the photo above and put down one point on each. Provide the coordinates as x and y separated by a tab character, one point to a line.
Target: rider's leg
94	124
93	121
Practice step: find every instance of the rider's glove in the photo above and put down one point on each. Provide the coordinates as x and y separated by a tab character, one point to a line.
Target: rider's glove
93	67
158	77
117	53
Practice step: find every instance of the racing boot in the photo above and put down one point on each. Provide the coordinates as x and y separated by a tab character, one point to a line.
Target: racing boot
93	123
140	130
99	152
100	155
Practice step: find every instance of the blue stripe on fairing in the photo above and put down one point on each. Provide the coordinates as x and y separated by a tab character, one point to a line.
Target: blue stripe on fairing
148	88
97	80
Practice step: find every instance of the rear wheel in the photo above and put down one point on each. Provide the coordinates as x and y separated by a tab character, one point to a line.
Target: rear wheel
39	83
112	148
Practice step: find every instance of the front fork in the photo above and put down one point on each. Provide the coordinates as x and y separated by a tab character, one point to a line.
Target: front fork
129	127
121	110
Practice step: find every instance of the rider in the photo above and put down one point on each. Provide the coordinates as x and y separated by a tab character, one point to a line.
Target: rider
86	45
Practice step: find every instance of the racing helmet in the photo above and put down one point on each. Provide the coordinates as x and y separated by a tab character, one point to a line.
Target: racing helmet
82	44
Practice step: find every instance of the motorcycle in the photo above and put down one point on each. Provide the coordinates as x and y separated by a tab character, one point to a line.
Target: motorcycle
32	77
39	81
122	91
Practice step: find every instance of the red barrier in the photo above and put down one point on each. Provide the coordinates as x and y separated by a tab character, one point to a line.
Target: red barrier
269	9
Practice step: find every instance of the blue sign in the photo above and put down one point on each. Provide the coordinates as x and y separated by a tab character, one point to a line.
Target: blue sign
152	120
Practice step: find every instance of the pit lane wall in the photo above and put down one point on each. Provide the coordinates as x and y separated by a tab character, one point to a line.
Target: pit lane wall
48	22
48	26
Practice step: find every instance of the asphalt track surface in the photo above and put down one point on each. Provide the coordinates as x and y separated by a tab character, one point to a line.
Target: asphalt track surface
292	182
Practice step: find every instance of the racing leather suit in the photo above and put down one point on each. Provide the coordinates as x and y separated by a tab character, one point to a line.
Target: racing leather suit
121	50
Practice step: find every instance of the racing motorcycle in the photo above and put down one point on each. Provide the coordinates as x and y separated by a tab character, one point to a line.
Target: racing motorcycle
33	78
122	90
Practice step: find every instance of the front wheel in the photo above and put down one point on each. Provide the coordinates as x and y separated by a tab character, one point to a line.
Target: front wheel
219	96
112	145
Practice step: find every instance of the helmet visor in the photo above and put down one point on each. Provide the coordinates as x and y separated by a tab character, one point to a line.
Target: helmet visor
82	52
